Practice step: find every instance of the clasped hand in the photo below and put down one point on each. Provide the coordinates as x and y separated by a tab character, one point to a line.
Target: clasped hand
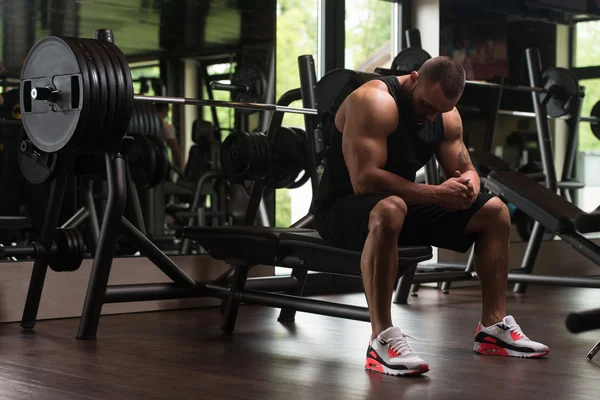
457	193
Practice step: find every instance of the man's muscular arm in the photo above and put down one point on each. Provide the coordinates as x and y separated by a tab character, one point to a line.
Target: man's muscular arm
453	155
370	117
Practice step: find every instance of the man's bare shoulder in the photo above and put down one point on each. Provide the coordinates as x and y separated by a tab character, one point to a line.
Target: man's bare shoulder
371	106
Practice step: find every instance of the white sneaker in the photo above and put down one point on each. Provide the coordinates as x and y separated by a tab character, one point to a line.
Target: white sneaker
389	354
507	339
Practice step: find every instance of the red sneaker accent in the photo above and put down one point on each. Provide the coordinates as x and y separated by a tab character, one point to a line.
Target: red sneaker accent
373	354
490	339
374	365
393	353
492	349
478	329
515	336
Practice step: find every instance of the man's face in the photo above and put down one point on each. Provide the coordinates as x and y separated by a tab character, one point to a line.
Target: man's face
428	100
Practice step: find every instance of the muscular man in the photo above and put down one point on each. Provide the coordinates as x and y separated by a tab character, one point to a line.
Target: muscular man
368	201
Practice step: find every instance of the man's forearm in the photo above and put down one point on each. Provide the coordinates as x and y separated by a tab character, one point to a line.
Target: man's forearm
384	182
474	179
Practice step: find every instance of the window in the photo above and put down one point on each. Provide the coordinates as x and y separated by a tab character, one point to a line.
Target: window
586	62
297	28
589	150
587	36
225	116
368	34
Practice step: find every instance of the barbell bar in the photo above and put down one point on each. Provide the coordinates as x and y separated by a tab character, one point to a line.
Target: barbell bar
528	114
518	88
227	104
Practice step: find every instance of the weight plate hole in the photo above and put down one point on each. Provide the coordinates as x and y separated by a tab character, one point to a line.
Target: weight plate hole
74	92
27	99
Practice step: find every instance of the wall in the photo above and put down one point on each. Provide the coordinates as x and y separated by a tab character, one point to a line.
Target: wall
64	293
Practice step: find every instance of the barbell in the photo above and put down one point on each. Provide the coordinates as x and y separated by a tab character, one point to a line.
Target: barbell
561	86
77	94
64	255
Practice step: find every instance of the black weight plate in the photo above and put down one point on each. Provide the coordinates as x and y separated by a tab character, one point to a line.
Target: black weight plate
128	91
287	163
121	119
134	124
94	59
152	161
235	157
108	76
91	128
596	125
136	114
409	60
62	261
141	120
142	160
37	168
152	171
149	123
162	159
146	117
51	61
562	89
332	89
76	255
156	125
260	163
78	245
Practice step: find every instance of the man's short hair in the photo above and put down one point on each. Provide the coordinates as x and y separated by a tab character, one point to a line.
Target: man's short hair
448	72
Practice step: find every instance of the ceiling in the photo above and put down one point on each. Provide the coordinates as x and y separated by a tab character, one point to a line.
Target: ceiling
141	27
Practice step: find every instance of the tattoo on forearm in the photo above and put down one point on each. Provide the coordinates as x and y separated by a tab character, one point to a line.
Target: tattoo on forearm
463	156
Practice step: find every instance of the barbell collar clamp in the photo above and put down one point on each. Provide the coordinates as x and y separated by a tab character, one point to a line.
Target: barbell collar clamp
229	87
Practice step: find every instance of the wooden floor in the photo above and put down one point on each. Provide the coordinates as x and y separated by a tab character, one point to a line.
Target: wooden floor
183	355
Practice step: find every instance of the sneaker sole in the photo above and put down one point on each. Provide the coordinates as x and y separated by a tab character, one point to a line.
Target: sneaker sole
494	350
372	365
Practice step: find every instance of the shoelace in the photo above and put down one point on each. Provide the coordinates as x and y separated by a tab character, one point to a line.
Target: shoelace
517	329
400	345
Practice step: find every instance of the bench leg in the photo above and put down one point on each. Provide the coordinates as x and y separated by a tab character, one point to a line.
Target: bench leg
404	285
594	351
286	314
232	306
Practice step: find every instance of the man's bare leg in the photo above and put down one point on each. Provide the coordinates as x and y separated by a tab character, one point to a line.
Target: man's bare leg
491	224
379	262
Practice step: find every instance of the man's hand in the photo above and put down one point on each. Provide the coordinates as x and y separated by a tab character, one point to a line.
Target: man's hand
472	193
455	193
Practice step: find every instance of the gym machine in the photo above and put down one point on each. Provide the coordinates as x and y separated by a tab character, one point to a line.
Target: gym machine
583	321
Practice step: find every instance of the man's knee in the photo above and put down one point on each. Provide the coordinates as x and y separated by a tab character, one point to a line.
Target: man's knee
388	214
497	213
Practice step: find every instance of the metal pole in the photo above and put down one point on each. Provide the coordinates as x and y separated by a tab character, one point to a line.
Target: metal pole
154	254
111	223
226	104
534	66
40	266
517	88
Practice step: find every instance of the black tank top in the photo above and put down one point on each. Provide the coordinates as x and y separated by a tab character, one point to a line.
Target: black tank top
409	148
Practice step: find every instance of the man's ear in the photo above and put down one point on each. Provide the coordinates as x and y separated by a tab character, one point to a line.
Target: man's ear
414	77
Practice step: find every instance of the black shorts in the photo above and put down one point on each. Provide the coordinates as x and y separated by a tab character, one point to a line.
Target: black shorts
346	224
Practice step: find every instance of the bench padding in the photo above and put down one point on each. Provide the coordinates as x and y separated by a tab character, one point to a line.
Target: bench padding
273	246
